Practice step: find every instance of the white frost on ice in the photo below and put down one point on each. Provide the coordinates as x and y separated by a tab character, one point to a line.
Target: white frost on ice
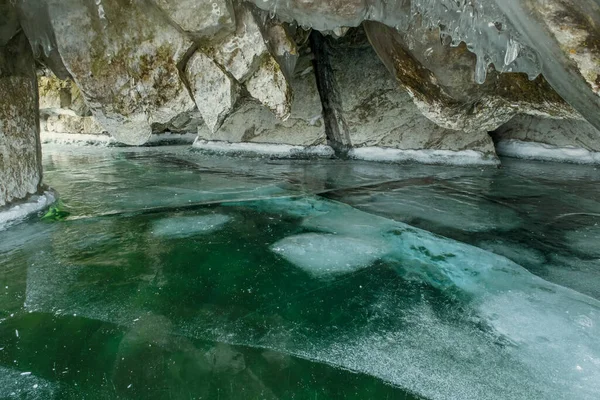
264	149
545	152
178	227
324	254
24	385
18	212
449	157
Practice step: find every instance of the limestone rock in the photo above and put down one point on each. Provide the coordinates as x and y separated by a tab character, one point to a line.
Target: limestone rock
440	80
555	132
281	41
242	53
565	34
56	94
377	114
124	58
214	91
254	122
322	15
69	123
20	152
187	122
270	86
201	17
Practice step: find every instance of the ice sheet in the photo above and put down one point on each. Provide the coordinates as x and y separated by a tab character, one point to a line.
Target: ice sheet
178	227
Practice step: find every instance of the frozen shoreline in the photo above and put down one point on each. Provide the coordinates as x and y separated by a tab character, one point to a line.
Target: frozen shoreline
425	156
18	212
107	140
545	152
264	149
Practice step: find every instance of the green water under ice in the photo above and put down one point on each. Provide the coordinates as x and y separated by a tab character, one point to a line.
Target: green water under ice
171	274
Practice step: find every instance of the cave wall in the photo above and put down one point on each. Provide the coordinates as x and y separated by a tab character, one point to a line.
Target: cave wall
20	151
295	73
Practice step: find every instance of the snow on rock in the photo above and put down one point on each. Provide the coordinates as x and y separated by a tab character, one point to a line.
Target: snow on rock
81	139
179	227
323	254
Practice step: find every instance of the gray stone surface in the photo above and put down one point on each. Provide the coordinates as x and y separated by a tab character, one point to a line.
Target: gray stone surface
215	92
20	154
201	17
124	57
69	123
377	113
555	132
241	53
254	122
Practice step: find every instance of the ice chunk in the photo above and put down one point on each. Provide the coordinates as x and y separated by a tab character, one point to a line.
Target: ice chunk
324	254
180	227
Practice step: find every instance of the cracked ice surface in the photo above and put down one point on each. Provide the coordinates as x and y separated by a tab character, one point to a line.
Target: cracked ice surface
428	314
295	274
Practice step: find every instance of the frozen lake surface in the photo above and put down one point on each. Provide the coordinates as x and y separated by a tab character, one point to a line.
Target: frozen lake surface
182	275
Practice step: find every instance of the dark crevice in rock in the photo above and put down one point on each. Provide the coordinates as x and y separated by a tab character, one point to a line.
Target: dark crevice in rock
336	129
